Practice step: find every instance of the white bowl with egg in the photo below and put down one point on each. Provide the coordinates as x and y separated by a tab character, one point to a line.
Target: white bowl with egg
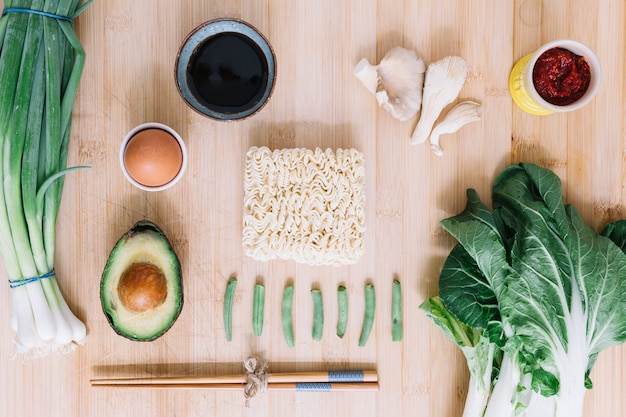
153	156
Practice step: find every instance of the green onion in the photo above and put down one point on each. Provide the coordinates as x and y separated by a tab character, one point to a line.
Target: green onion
342	307
41	62
258	309
396	311
318	315
228	307
287	315
370	309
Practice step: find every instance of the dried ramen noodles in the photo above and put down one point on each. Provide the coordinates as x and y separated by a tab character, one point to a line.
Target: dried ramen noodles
304	205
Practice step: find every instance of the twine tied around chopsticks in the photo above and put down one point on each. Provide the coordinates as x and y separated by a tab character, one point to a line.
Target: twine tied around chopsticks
256	378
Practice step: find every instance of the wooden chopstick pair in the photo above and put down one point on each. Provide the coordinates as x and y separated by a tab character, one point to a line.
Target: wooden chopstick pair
302	381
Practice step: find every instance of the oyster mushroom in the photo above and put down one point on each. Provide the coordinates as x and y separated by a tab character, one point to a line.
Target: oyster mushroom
460	115
396	81
443	82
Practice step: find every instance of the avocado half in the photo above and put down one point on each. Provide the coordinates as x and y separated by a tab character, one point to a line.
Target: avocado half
141	289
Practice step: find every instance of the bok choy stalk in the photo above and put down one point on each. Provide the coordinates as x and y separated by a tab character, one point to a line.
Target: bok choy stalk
41	62
556	288
479	351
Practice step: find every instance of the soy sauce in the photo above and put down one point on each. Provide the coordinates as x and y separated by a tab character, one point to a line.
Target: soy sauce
228	73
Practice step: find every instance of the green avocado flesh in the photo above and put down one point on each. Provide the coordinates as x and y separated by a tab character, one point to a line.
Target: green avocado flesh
141	287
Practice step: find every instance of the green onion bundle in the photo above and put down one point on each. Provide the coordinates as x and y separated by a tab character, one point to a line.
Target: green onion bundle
41	62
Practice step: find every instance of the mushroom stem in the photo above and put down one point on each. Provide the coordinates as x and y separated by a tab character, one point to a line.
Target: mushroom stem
366	73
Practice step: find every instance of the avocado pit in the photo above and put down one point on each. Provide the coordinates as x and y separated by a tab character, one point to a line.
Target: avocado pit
142	287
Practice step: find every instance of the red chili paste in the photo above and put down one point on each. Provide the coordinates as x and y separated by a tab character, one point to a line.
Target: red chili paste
561	77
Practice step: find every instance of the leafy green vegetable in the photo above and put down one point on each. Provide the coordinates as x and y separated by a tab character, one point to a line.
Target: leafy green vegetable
539	284
617	233
41	63
479	352
477	307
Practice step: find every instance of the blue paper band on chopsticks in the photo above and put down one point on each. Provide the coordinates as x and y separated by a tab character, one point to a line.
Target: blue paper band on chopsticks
313	387
14	283
38	12
345	376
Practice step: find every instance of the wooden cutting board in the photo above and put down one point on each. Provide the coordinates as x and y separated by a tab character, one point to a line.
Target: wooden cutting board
317	102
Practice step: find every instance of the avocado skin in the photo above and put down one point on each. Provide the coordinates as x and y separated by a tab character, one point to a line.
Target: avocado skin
173	273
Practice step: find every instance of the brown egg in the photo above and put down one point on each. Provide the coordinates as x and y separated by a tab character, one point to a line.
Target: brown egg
153	157
142	287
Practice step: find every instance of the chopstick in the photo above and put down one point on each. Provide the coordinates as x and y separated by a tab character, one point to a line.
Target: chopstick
332	377
291	386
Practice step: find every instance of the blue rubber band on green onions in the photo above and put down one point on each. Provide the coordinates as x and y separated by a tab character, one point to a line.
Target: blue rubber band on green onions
14	283
37	12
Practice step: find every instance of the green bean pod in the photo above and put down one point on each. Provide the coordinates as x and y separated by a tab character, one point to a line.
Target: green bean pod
258	308
370	310
342	307
396	311
318	314
228	307
286	315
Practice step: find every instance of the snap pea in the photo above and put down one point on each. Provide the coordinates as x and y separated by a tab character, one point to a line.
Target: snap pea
228	307
396	311
318	314
258	308
342	306
286	314
370	309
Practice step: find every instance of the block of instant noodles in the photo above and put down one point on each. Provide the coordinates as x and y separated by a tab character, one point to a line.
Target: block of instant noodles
305	205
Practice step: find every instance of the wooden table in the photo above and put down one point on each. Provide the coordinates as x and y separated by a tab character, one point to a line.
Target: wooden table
128	79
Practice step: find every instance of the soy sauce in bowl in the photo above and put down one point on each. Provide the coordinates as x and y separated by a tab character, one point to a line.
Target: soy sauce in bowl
228	73
225	70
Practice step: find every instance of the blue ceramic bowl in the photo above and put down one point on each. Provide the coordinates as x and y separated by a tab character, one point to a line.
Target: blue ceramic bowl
226	70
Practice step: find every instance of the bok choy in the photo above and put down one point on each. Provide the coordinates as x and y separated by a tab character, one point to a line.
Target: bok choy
530	279
41	62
